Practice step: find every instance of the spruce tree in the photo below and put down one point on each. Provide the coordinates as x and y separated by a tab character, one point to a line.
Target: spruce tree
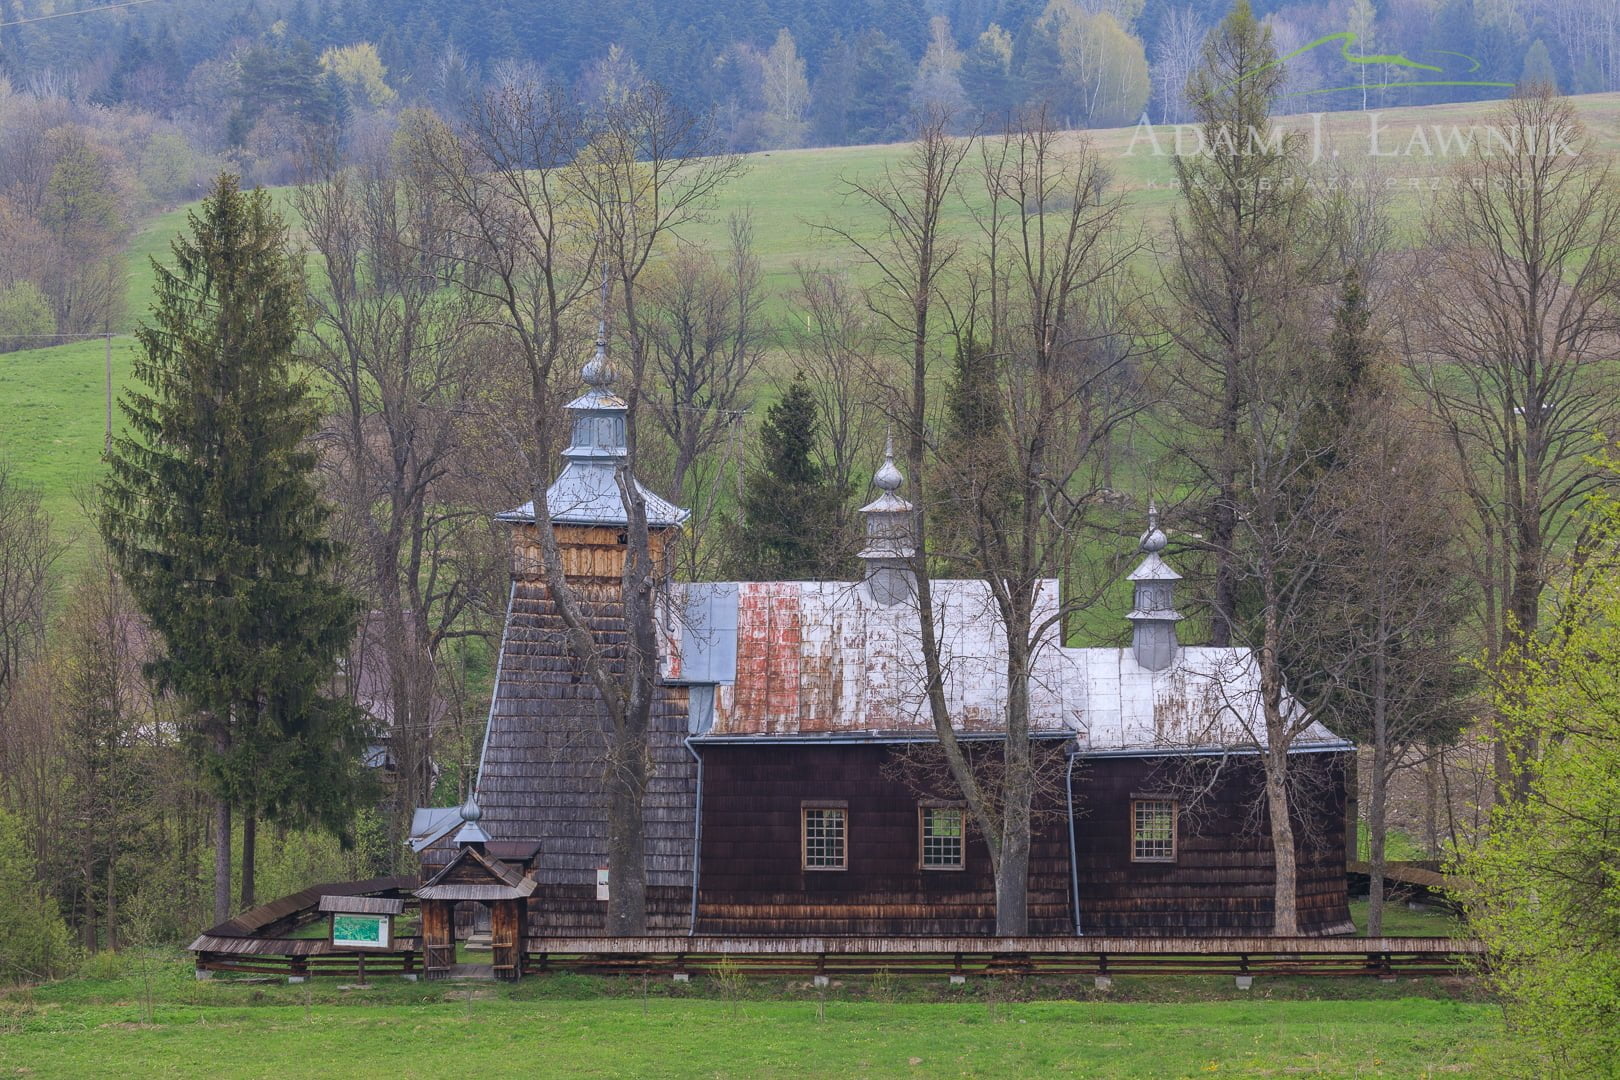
977	479
211	510
793	524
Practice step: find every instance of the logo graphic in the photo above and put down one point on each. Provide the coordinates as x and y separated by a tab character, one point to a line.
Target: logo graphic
1347	38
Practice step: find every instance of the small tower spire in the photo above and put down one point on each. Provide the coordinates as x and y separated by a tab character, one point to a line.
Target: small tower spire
890	535
1154	618
586	491
471	834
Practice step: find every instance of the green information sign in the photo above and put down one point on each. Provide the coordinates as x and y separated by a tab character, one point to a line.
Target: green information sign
360	931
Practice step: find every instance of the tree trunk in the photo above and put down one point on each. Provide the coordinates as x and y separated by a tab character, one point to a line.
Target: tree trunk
222	859
627	842
1224	530
250	852
1377	794
1285	914
112	901
1012	873
1431	803
1377	832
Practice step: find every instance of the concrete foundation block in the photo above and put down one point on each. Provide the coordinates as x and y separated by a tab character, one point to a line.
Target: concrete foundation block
681	976
1245	982
819	981
201	974
958	980
1103	982
409	976
297	978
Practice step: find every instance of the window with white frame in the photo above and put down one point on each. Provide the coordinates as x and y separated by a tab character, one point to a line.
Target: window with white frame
825	837
941	838
1153	830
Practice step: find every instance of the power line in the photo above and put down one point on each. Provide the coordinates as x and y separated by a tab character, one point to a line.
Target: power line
80	11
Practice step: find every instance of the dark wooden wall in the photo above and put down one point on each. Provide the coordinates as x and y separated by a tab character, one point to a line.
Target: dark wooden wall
752	881
1223	878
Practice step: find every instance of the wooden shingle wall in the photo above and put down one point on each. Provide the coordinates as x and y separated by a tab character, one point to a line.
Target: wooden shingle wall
753	882
542	773
1222	880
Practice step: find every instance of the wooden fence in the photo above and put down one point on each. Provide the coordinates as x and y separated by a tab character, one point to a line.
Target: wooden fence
843	957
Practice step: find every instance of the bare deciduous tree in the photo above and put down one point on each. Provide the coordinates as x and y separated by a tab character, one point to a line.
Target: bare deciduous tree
27	552
402	355
1052	251
834	346
1018	482
706	337
548	195
1175	58
647	169
910	256
1518	324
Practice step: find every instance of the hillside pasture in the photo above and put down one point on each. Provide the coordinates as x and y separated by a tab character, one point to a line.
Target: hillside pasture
51	400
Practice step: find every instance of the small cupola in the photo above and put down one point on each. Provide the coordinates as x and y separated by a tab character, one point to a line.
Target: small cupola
891	536
1153	618
471	834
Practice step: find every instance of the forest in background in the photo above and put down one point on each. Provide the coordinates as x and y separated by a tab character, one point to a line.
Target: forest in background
106	116
775	74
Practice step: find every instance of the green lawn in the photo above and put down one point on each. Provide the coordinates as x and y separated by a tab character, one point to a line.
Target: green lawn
579	1026
1402	921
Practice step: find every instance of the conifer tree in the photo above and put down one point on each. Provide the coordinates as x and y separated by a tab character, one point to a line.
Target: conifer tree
1250	248
977	476
211	510
792	525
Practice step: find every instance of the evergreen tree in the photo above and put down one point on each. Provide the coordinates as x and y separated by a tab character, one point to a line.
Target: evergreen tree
793	519
211	510
987	75
1538	67
879	91
978	477
34	943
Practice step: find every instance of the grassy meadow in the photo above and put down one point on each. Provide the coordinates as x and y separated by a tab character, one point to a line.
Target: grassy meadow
51	400
148	1018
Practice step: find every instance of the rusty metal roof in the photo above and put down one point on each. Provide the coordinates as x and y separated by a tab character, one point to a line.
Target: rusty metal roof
1207	699
804	659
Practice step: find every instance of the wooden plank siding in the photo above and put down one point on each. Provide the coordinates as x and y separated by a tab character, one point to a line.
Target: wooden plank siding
753	881
542	771
1222	880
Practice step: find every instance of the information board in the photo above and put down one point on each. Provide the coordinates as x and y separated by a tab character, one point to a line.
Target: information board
361	931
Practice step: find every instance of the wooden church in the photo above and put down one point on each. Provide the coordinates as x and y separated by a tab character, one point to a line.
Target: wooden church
787	795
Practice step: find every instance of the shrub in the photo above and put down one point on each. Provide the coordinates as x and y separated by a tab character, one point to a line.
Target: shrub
34	944
25	316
